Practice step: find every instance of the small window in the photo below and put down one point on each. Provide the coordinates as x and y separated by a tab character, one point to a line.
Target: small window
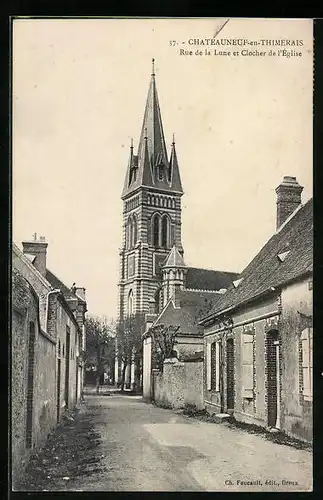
130	303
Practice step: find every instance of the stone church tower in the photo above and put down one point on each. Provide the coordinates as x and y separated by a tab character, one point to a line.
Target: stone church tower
151	214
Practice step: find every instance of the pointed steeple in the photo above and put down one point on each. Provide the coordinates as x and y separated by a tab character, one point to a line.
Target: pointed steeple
154	170
174	259
173	172
130	169
174	272
153	124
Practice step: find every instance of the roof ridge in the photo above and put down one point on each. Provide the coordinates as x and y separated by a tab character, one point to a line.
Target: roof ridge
203	290
30	265
265	270
214	270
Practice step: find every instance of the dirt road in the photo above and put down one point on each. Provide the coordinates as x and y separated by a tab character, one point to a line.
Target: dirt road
120	443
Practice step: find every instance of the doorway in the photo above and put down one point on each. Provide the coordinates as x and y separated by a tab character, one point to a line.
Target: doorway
273	379
230	375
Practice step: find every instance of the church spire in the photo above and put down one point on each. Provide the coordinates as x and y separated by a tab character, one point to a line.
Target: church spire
153	169
152	123
174	177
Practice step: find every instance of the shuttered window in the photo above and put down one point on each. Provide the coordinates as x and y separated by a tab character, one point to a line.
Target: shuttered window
247	365
208	366
217	366
307	363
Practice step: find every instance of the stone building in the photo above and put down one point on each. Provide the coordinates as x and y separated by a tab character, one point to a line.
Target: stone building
151	267
46	349
258	337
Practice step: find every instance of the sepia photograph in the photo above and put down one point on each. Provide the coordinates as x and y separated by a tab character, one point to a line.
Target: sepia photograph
162	255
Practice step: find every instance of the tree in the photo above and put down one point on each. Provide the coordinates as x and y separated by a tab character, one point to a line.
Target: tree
100	345
129	344
163	341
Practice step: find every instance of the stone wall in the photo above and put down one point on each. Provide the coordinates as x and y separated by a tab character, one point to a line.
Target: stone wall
180	384
35	357
32	377
297	411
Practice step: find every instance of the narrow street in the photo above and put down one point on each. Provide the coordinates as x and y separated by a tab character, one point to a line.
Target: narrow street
134	446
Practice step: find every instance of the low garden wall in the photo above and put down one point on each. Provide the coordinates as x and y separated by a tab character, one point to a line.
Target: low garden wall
180	384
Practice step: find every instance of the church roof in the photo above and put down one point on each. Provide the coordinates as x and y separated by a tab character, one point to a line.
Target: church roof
208	279
186	316
174	259
150	167
273	267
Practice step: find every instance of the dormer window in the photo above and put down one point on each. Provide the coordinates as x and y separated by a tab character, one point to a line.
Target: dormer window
282	256
133	175
161	171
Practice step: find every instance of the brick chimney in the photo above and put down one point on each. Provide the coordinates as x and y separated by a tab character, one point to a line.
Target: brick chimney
80	291
38	249
288	198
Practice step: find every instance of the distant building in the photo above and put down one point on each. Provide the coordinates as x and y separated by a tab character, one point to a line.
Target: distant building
46	349
258	337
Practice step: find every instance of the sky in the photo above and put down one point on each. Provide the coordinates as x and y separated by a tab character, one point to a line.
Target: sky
240	122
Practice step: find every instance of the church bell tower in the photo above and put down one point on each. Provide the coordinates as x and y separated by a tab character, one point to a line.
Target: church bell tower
151	214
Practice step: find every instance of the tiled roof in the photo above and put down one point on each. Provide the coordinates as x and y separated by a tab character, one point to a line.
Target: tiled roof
174	259
187	314
267	270
207	279
57	283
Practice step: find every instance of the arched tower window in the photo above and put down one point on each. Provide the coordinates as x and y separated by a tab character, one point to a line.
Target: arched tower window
165	231
130	303
158	300
134	231
130	227
156	224
131	232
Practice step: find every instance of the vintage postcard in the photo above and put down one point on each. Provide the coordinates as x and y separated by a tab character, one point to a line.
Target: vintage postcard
162	330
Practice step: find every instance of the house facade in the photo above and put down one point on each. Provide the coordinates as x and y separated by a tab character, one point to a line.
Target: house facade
258	337
46	345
